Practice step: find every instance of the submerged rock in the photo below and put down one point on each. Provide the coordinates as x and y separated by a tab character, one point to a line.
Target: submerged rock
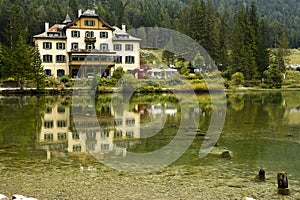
226	154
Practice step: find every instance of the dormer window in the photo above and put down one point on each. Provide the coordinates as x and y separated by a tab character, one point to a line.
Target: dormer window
89	22
53	34
122	36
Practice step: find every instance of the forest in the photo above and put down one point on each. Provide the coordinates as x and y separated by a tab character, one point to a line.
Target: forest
241	35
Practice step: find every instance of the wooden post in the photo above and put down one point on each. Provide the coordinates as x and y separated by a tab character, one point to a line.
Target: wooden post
261	175
283	185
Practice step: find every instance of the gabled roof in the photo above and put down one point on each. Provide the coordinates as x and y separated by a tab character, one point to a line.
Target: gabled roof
57	28
120	35
91	14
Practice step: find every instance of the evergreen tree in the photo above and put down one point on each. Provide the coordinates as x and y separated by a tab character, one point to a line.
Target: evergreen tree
2	61
212	37
224	32
243	46
282	53
15	25
168	57
21	61
38	74
263	53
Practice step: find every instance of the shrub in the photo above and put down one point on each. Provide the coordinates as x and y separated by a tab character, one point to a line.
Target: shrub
237	79
64	79
118	73
273	77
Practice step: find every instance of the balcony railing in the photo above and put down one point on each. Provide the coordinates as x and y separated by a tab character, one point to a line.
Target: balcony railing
90	39
92	50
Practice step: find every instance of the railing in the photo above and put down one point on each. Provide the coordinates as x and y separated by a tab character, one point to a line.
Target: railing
90	39
91	50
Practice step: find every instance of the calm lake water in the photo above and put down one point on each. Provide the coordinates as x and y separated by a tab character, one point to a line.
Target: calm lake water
262	129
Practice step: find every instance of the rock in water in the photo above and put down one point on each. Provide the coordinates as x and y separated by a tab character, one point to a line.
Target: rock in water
248	198
261	175
3	197
226	154
21	197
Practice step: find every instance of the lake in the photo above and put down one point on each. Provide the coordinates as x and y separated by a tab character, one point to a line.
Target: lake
49	144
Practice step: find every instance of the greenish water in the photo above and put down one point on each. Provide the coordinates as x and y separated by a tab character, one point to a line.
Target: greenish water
262	129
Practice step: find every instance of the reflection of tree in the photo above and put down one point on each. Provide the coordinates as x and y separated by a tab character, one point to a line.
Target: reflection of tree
236	101
20	119
275	108
119	104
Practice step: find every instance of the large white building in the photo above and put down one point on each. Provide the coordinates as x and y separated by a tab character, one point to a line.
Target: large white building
86	46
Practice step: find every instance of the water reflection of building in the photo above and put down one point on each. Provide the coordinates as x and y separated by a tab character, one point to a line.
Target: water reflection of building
95	130
293	115
127	125
90	133
55	126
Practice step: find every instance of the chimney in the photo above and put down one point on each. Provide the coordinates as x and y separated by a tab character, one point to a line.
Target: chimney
46	26
124	27
79	12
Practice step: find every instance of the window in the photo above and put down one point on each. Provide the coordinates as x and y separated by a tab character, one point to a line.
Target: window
75	136
61	123
60	109
122	36
60	46
129	134
89	22
47	58
104	147
48	72
89	34
60	58
60	72
62	136
128	47
90	46
103	34
130	122
118	59
118	134
76	148
48	124
104	47
91	135
129	59
75	34
90	147
74	45
105	134
47	45
48	137
118	122
48	110
117	47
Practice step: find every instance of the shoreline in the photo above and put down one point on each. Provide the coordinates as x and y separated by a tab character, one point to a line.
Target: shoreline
70	91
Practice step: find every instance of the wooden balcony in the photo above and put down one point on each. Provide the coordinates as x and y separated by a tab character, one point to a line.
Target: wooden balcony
90	39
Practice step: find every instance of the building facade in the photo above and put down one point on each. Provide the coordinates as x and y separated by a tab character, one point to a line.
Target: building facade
86	46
